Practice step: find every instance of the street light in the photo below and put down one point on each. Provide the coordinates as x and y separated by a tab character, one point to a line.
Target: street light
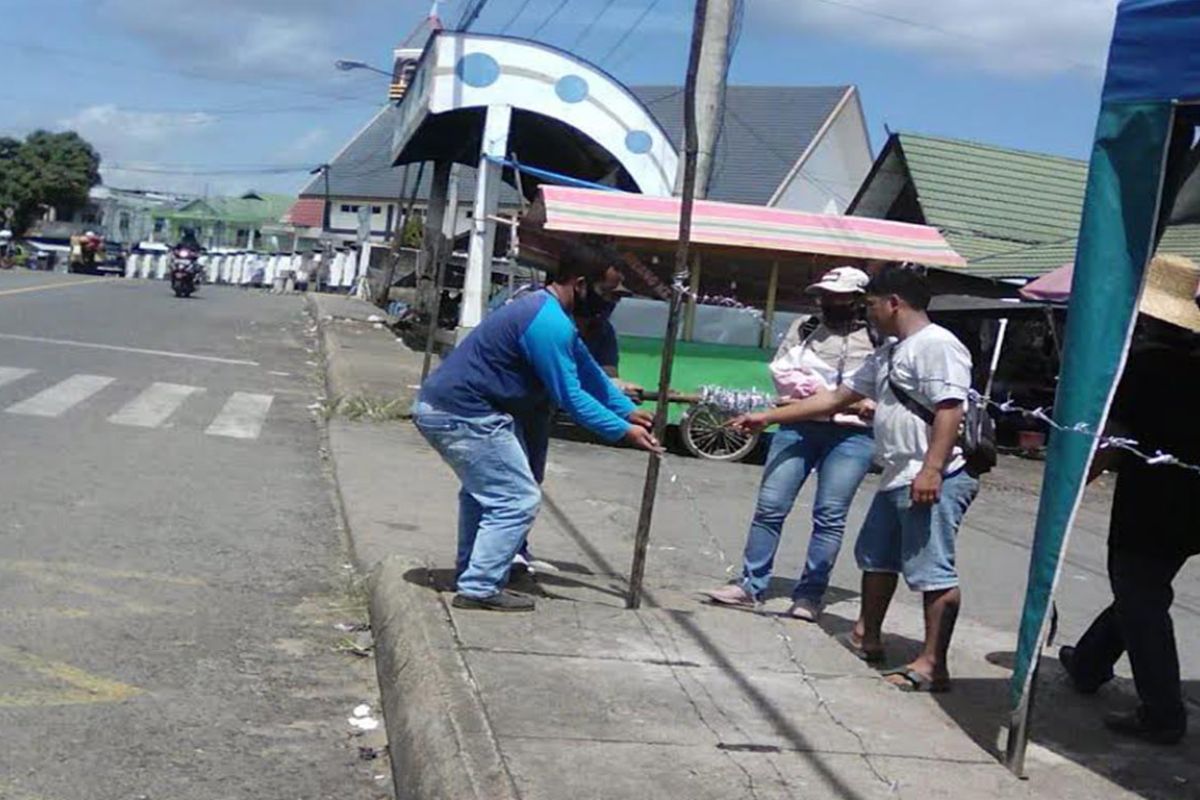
347	66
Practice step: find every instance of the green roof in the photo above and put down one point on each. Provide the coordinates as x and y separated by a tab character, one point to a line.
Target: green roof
1009	213
249	208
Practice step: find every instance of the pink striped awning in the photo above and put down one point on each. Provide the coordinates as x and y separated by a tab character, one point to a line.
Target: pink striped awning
636	216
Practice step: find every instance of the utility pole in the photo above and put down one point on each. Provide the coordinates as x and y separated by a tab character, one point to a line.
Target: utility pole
710	90
711	22
403	213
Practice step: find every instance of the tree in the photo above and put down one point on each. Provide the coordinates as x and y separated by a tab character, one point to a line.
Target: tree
47	169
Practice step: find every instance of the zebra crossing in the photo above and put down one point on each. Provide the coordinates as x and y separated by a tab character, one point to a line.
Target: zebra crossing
242	416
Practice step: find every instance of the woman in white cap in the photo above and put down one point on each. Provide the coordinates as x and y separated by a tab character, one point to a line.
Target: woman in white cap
818	353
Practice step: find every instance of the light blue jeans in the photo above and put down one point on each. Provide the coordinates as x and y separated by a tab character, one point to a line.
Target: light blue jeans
499	498
916	541
841	456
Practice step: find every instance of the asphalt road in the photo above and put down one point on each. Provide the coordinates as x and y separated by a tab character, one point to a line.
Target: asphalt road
171	564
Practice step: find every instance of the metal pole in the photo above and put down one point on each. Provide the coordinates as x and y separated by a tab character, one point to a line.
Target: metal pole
435	308
689	319
650	489
449	228
1018	730
997	349
765	340
327	217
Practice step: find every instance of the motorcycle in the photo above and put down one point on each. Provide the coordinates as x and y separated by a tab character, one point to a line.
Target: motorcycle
186	271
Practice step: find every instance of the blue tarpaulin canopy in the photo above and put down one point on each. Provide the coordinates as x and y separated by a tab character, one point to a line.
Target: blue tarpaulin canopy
1142	175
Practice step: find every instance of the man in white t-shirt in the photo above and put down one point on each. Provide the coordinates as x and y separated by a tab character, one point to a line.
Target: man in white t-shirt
924	491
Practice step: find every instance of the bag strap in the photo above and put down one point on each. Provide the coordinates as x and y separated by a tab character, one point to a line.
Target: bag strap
907	400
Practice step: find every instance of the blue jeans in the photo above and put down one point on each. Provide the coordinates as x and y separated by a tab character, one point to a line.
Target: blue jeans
916	541
841	456
499	498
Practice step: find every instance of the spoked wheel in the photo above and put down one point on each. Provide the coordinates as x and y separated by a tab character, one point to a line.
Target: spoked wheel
707	434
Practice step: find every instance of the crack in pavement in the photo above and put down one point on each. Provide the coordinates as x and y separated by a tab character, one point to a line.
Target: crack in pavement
893	786
750	786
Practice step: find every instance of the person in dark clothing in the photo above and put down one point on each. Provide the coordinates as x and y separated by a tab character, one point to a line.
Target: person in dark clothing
1153	529
596	329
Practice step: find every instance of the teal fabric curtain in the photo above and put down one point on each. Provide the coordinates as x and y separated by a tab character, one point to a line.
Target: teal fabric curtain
1117	241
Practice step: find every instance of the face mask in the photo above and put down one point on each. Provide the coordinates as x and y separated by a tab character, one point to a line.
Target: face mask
839	315
592	306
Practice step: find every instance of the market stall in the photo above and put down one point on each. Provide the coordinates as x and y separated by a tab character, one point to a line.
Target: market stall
750	268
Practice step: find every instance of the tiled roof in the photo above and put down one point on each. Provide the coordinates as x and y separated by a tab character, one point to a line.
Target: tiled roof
1010	213
307	212
766	130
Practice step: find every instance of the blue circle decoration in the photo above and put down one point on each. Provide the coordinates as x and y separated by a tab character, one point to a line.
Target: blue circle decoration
478	70
638	142
571	89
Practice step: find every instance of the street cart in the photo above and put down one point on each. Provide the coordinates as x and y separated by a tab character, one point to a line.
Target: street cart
749	271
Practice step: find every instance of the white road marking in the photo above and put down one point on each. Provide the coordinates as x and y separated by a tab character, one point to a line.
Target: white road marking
152	407
139	350
242	417
10	374
62	396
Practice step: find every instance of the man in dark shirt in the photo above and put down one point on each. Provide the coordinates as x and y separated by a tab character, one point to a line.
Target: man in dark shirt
1153	531
593	318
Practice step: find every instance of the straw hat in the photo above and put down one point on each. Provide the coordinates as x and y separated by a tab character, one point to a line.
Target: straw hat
1170	292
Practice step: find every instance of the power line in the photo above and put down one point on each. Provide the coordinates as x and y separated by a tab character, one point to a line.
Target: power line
629	31
515	16
167	170
588	28
912	23
557	9
92	58
470	14
240	110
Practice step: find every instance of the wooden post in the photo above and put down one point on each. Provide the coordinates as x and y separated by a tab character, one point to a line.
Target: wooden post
689	320
769	318
650	488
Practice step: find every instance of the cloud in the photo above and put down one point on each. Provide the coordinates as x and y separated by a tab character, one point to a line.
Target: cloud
111	128
304	146
138	139
247	38
1021	37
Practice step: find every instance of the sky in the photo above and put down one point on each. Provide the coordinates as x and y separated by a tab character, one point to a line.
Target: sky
223	96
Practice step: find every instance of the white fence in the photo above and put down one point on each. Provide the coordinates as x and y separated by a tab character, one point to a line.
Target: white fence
253	269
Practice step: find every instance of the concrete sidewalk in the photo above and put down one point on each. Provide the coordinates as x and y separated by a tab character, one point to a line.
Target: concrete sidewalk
584	699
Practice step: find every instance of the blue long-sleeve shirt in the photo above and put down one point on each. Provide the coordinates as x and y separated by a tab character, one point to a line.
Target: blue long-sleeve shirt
523	356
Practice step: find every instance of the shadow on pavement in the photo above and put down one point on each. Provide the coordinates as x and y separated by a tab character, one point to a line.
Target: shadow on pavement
1069	725
782	725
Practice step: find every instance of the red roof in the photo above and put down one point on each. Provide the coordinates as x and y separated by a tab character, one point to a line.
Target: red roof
308	212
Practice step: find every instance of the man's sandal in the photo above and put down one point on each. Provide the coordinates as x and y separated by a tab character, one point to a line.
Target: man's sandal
913	681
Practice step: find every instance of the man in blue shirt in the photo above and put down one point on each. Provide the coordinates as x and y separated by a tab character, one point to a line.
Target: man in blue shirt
476	409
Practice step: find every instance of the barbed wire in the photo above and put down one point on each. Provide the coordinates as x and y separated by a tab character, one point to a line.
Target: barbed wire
745	401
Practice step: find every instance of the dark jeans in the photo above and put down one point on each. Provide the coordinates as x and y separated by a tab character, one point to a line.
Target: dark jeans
1138	621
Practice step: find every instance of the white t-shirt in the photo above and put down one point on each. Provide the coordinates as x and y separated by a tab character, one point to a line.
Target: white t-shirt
932	366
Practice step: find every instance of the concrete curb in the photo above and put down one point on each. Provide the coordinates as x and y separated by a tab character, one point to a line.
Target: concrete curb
440	738
369	373
439	735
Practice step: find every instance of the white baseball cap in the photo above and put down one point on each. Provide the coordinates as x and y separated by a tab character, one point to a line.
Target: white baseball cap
842	280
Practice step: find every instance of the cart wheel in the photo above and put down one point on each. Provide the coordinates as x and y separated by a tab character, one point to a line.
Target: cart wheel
706	435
